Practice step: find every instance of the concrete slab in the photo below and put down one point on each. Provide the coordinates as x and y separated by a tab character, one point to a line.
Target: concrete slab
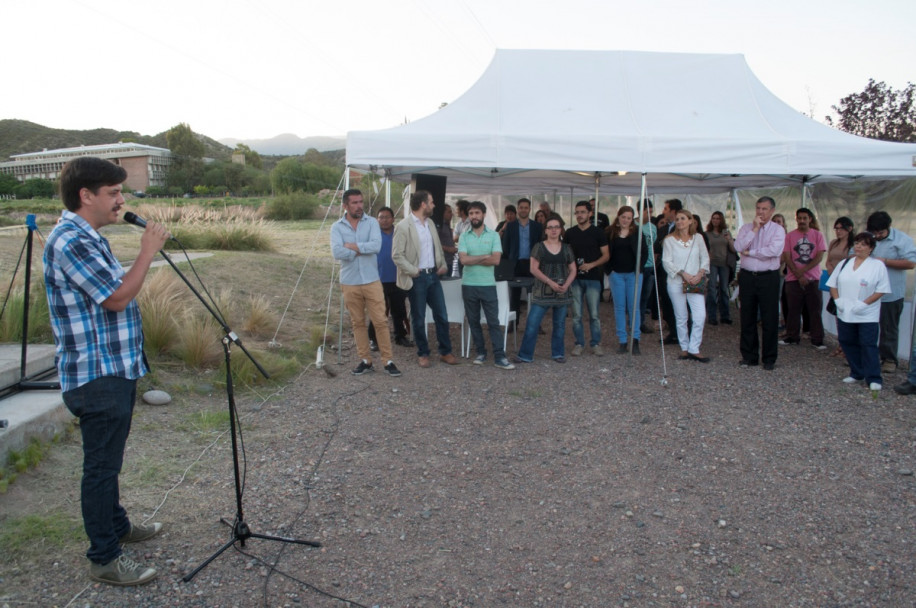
39	357
33	413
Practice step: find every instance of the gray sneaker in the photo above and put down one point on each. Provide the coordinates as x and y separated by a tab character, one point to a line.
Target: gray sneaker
122	571
140	533
503	364
577	350
480	359
597	350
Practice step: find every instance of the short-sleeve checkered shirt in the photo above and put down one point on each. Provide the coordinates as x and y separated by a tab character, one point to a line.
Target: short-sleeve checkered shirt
92	341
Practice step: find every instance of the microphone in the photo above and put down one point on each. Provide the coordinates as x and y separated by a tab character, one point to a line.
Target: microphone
132	218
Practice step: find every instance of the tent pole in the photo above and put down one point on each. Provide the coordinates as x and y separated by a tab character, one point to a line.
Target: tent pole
637	282
597	189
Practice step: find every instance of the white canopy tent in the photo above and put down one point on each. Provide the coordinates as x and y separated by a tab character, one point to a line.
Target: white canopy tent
593	123
555	120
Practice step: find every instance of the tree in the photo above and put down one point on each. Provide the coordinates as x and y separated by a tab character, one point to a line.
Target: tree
183	142
252	158
8	184
188	151
288	176
36	188
878	112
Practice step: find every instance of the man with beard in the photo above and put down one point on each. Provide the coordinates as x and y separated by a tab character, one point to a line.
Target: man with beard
418	254
480	251
590	246
355	241
804	249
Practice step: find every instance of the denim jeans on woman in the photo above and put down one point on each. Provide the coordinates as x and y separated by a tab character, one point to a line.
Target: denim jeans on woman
860	345
104	407
622	286
533	325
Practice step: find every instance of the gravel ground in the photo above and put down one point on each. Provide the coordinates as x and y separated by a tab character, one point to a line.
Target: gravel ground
586	484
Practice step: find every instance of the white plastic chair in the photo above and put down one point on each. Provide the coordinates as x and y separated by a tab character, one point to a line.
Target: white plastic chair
504	314
454	307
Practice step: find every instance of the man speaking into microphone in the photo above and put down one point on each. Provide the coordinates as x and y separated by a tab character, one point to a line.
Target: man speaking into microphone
99	337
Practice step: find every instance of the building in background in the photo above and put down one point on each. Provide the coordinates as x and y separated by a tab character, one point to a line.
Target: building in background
145	165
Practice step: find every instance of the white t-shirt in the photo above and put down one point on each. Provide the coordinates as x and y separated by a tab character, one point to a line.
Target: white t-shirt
855	285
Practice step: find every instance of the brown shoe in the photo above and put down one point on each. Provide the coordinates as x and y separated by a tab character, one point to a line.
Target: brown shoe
423	361
450	359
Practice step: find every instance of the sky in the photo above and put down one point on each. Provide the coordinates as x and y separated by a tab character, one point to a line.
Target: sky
256	69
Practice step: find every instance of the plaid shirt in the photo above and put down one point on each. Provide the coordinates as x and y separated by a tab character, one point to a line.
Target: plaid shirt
92	341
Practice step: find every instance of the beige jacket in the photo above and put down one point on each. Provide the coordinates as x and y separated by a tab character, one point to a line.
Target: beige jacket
405	250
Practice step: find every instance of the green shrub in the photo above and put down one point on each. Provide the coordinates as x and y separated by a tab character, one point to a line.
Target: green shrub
292	206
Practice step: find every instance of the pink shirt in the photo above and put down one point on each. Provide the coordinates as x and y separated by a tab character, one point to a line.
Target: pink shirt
764	246
803	247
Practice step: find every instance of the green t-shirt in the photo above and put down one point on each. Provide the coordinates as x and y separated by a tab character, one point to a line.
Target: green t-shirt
486	243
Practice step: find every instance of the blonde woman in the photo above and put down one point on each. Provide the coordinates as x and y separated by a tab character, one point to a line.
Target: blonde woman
686	261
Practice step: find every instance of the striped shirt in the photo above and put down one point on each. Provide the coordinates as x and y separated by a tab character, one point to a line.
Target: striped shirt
92	341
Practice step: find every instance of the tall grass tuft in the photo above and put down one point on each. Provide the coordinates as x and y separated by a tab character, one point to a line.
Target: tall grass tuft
161	303
39	318
198	345
261	318
225	236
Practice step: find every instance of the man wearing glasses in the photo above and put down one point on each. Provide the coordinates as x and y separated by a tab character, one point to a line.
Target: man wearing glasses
898	253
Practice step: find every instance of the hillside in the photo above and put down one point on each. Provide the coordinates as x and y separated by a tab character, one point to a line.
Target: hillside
22	136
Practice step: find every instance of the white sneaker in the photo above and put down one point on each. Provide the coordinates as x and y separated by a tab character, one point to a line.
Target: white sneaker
875	386
849	380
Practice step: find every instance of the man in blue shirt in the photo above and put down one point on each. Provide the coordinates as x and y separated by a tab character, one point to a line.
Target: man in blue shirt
895	249
519	236
356	240
395	297
99	336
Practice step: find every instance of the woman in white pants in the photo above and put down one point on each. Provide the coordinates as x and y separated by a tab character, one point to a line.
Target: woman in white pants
686	261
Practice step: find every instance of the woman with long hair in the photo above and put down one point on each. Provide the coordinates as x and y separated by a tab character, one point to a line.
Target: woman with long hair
838	250
856	286
686	261
541	217
625	266
720	244
553	266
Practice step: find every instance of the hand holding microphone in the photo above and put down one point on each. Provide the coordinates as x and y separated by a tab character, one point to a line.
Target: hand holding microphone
154	235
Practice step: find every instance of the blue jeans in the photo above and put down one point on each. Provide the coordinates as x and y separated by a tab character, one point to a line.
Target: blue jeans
104	407
533	325
591	290
475	297
860	345
717	290
427	290
622	286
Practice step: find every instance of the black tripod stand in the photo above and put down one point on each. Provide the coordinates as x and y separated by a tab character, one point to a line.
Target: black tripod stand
240	530
25	381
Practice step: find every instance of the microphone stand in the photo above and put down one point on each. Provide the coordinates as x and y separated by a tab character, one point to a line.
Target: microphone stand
240	529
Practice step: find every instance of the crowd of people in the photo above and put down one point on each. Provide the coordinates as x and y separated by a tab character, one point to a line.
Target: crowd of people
779	286
97	324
